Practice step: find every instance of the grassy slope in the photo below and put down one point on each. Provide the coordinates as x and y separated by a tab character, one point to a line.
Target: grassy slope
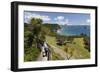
80	52
52	41
78	45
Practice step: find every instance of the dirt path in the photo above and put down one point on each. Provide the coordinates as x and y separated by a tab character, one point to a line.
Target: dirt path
57	50
60	52
41	58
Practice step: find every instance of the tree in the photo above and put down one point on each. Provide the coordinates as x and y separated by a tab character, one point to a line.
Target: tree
36	21
32	32
69	51
87	43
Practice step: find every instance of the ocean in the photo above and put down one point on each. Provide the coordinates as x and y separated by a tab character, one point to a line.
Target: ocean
70	30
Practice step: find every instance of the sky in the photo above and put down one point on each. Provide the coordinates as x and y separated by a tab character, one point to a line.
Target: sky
58	17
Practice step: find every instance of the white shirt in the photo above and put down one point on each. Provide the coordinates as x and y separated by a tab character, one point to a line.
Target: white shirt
45	44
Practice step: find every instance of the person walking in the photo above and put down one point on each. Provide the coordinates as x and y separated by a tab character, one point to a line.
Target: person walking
47	50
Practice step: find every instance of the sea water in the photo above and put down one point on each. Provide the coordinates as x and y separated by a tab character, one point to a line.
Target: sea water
71	30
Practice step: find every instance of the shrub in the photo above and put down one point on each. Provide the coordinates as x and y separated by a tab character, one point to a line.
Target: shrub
31	54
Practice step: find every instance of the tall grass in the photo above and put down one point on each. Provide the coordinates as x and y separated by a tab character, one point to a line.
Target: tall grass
31	54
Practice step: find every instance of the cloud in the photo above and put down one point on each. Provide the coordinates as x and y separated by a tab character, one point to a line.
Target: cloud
45	18
66	21
29	15
88	20
59	18
61	21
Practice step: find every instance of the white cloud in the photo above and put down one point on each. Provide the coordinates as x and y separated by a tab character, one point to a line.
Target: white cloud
45	18
88	20
29	15
66	21
59	18
86	23
83	24
61	21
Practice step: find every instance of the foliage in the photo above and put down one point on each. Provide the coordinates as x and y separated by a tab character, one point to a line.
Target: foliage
69	51
56	56
31	36
31	54
87	43
35	31
53	27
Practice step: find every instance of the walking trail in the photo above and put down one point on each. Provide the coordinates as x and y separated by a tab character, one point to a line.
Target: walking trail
41	58
62	53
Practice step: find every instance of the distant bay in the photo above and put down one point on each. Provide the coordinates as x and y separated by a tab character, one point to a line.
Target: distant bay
70	30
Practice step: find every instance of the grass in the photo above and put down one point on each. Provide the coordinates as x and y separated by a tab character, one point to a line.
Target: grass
52	40
76	48
79	52
32	54
56	56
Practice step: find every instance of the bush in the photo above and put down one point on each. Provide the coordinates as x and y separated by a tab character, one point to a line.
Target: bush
87	43
31	54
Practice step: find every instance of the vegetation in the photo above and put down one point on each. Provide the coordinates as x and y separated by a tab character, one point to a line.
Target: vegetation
87	43
32	34
52	27
31	54
56	56
75	47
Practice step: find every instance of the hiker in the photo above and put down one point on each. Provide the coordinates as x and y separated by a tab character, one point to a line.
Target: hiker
42	48
43	51
47	50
